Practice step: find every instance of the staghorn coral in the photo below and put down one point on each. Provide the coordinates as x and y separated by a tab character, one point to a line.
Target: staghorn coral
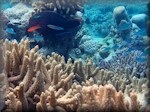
39	83
106	98
2	78
125	60
23	65
67	8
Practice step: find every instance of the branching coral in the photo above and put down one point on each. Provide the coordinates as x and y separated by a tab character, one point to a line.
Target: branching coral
67	8
40	83
3	82
106	98
125	60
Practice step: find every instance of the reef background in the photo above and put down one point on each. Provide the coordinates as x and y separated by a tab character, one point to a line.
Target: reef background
102	69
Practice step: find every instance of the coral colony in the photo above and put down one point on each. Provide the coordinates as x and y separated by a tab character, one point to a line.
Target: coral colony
95	61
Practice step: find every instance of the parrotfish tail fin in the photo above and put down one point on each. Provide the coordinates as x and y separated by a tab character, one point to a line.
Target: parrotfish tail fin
73	23
33	28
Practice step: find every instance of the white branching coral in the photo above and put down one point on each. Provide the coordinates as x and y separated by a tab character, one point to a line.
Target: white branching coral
67	8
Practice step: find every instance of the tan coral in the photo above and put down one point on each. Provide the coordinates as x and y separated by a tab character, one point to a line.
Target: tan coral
47	83
106	98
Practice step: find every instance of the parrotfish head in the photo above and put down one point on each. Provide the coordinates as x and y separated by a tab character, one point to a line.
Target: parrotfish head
34	21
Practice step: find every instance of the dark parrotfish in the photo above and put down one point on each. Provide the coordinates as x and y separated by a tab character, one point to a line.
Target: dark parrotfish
51	24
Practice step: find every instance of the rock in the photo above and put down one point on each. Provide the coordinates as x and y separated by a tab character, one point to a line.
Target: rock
140	20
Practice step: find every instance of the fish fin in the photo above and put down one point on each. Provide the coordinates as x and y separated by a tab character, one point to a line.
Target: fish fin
33	28
38	16
55	27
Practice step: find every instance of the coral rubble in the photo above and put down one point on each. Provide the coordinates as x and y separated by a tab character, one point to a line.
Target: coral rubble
39	83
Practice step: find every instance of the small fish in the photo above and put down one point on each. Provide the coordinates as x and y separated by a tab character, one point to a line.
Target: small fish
10	31
130	49
16	23
124	25
38	16
141	60
146	51
37	39
141	32
115	46
106	49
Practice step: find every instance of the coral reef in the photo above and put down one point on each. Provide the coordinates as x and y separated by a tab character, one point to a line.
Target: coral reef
67	8
2	78
98	19
18	19
89	46
32	81
122	21
125	60
18	16
49	83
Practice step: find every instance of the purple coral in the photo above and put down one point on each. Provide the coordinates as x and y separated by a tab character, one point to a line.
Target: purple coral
126	60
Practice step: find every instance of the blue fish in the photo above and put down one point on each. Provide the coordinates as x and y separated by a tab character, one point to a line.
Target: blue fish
10	31
124	25
130	49
52	24
37	39
146	51
141	32
106	49
141	60
115	46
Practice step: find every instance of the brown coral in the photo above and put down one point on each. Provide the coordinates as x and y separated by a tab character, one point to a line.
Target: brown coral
67	8
40	83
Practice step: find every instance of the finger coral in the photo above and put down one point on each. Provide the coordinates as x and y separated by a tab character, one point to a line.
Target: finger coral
3	83
39	83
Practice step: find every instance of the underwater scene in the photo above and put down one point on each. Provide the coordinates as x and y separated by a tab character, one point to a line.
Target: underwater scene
74	55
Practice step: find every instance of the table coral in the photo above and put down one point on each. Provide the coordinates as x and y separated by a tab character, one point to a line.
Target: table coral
39	83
